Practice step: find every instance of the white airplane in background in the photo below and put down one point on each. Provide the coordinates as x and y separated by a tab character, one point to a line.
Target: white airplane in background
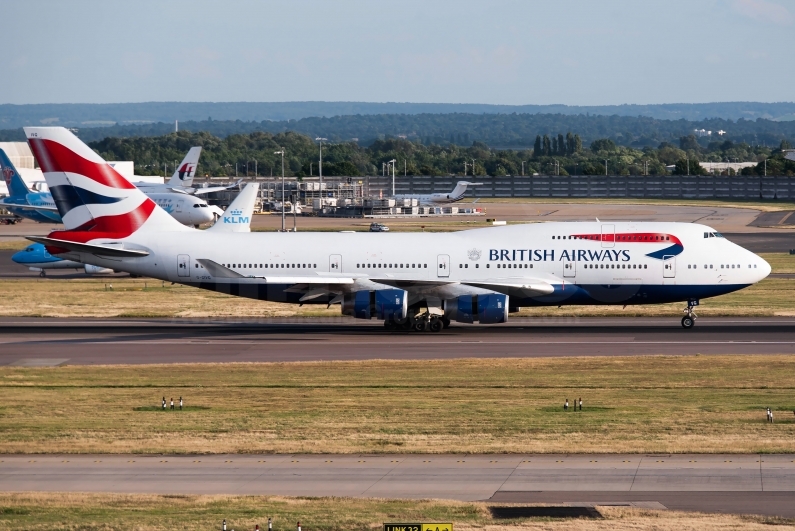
441	198
181	180
409	280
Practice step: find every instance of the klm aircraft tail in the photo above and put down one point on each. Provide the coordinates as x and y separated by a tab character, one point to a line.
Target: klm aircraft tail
16	186
237	217
186	171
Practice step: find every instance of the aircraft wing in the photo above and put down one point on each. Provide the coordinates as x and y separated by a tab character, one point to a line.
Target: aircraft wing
523	286
219	271
98	250
210	189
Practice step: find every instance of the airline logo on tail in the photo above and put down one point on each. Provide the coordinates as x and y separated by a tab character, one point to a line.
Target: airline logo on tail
93	199
186	170
7	174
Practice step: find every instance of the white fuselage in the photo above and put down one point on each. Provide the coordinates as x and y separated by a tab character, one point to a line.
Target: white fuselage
186	209
578	259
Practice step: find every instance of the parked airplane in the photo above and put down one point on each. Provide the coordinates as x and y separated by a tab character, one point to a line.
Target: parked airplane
40	206
409	280
237	218
182	179
441	198
21	201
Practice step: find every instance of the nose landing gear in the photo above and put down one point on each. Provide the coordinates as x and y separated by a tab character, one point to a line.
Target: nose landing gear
689	320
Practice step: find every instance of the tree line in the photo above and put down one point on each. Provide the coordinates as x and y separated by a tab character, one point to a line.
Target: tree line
563	154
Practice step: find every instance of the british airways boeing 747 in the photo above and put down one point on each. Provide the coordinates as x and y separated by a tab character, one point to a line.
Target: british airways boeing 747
410	281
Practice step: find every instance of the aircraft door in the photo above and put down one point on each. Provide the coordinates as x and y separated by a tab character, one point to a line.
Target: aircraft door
569	269
335	263
443	265
669	267
180	204
183	265
608	235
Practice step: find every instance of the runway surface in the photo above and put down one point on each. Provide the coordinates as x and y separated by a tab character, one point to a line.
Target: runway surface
758	484
46	341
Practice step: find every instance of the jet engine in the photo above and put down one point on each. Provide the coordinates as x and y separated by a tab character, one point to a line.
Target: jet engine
97	270
383	304
489	308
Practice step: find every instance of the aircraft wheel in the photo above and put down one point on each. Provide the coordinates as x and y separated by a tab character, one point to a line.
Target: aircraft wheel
389	324
419	326
436	325
42	274
445	322
688	322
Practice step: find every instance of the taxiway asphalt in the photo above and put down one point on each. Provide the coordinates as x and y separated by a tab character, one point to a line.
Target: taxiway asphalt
50	341
755	484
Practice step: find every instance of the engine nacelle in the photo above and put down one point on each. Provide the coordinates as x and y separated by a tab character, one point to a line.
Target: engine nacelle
491	308
382	304
97	270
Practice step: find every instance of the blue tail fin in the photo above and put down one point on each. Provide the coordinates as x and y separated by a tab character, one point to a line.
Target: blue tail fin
16	186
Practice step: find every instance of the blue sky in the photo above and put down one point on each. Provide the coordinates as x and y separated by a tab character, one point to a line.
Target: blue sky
577	52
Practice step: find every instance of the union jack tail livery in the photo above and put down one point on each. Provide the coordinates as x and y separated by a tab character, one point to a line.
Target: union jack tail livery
94	200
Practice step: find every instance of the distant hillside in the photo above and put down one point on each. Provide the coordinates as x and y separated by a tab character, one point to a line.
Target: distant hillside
496	130
97	115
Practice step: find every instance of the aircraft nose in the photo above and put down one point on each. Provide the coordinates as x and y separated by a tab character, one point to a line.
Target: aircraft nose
764	268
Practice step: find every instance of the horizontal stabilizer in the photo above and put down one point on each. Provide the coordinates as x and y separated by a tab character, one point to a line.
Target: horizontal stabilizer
98	250
29	207
211	189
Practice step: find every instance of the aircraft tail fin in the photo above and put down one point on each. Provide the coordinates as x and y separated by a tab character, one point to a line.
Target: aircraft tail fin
186	171
16	186
237	217
460	189
94	200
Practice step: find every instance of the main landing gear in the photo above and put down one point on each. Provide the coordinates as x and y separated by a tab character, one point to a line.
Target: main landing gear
419	323
689	320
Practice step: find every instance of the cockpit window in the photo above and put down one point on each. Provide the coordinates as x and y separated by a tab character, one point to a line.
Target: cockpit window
713	235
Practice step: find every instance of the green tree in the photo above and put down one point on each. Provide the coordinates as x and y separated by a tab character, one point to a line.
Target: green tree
561	146
537	147
603	144
688	167
689	142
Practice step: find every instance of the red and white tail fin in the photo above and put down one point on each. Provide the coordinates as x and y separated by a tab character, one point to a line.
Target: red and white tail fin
94	200
186	171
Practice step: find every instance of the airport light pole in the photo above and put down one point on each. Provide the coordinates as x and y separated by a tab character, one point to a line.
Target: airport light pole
523	167
320	165
282	154
392	162
765	167
473	167
605	167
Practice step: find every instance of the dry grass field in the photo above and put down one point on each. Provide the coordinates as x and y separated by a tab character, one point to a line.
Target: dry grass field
125	297
111	512
631	405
